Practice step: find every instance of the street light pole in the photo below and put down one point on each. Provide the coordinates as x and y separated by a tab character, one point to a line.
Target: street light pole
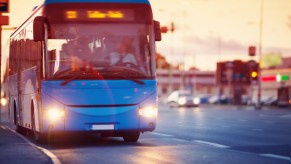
260	57
0	67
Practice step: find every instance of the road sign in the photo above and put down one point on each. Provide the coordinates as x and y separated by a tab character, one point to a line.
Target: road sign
4	6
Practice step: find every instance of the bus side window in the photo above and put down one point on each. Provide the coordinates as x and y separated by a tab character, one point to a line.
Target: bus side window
53	65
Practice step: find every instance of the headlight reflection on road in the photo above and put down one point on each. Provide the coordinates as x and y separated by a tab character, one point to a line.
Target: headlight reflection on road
153	154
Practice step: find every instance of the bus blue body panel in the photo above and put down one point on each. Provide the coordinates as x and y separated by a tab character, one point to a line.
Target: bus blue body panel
96	1
99	92
93	103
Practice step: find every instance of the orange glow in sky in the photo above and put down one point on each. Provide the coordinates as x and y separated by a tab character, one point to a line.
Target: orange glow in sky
207	31
211	30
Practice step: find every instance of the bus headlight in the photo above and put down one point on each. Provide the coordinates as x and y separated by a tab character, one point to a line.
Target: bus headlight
149	111
54	114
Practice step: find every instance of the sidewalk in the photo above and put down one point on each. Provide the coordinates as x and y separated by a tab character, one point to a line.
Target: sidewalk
13	149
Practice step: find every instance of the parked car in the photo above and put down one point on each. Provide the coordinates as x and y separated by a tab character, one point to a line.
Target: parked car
265	100
216	99
182	98
204	98
272	101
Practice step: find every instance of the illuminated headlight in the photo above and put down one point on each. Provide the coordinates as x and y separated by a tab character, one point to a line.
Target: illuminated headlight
196	101
3	101
54	114
149	111
182	101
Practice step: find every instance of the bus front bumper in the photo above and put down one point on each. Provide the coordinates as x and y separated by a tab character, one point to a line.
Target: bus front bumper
103	119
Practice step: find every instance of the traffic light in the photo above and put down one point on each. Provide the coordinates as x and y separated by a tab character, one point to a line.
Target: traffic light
253	71
254	74
252	50
221	75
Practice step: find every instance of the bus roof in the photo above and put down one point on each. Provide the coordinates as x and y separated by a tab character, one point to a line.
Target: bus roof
46	2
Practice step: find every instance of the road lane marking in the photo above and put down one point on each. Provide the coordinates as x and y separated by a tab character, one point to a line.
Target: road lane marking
53	157
181	140
261	130
243	120
225	126
276	156
286	116
3	127
161	134
220	118
212	144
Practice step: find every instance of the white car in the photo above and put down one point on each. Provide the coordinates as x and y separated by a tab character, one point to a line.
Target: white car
182	98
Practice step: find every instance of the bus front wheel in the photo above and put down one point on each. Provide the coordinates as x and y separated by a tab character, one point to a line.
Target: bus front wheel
38	137
131	136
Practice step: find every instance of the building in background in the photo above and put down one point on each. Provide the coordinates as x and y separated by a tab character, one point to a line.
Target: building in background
198	82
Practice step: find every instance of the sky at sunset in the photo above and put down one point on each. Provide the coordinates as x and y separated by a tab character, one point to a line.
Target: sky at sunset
213	30
207	31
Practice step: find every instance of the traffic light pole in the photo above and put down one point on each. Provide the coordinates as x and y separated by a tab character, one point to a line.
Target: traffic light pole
258	106
0	67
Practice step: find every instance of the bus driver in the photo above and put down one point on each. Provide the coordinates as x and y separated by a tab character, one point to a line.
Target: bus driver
124	54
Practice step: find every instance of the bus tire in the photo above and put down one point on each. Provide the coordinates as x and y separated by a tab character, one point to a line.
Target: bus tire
38	137
15	115
20	130
131	136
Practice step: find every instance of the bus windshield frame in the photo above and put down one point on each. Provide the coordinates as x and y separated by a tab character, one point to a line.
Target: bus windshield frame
83	48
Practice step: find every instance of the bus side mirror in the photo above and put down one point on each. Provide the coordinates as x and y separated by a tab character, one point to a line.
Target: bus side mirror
157	28
38	28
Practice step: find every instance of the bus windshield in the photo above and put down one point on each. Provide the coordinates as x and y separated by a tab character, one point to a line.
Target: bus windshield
99	51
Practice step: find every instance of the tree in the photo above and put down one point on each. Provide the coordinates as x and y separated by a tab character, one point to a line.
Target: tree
271	60
161	61
193	68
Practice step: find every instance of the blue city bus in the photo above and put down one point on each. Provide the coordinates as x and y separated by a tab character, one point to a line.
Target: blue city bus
84	66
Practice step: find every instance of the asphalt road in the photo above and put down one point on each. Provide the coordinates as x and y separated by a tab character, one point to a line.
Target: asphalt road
206	134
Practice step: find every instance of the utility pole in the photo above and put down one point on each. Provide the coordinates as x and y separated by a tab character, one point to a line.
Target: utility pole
4	8
258	106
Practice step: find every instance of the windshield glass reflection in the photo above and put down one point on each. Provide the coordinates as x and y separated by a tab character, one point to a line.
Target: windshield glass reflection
86	51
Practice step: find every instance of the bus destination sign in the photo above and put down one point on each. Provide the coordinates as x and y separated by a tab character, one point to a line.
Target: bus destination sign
107	15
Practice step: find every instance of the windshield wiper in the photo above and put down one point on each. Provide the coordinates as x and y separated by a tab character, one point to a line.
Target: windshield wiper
138	81
116	72
65	82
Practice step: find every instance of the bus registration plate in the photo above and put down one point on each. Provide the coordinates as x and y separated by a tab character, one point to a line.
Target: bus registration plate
103	127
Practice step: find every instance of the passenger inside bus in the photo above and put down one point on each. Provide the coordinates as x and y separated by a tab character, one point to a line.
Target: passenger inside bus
79	53
79	48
